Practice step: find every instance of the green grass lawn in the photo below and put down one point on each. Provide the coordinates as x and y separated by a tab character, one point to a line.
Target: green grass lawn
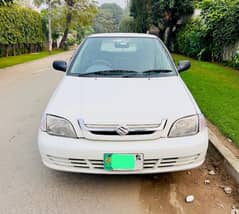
14	60
216	90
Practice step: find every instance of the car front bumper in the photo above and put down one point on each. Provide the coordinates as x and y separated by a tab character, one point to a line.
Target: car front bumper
161	155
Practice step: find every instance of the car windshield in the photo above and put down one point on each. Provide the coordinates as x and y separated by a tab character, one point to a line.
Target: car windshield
122	57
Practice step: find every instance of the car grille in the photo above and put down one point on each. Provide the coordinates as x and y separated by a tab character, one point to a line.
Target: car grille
116	132
99	164
177	161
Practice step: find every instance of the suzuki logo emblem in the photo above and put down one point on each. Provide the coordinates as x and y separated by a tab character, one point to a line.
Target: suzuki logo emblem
122	130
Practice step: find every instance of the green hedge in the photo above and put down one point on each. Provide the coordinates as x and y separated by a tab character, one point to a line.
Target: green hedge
20	31
216	28
190	40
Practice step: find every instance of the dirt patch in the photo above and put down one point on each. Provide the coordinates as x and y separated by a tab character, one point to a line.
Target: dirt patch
165	193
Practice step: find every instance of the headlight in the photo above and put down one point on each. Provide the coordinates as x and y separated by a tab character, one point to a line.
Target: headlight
185	127
57	126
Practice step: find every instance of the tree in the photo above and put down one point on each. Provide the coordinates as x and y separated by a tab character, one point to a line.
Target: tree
77	12
165	15
6	2
127	24
56	24
140	10
49	26
108	18
83	31
116	10
49	6
103	22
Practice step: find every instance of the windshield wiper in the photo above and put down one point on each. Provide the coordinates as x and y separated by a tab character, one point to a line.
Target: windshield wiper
123	73
153	71
109	72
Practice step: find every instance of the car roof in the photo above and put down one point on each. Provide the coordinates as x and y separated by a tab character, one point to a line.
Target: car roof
142	35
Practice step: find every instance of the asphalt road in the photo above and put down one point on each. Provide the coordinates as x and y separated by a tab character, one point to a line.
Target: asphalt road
26	186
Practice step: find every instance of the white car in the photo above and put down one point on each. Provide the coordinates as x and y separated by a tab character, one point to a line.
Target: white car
122	108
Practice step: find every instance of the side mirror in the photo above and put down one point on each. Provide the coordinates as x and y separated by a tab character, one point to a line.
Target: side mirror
60	65
183	65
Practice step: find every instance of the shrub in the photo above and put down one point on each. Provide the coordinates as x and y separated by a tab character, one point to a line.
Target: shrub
20	30
190	40
71	41
221	21
216	28
235	60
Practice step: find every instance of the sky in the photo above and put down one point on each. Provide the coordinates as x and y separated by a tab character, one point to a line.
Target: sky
122	3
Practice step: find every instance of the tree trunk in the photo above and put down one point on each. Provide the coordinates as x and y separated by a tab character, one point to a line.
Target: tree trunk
7	51
14	50
54	44
49	27
166	36
68	22
212	57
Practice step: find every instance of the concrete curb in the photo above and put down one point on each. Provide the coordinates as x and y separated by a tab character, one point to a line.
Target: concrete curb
230	160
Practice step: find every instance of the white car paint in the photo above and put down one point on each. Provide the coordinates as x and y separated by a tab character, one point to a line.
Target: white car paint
123	101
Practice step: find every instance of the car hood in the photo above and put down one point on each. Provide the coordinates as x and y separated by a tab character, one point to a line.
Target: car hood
121	100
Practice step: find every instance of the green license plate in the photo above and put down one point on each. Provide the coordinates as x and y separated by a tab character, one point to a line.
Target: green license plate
123	162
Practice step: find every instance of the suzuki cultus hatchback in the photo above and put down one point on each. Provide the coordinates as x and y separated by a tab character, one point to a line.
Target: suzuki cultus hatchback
122	108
